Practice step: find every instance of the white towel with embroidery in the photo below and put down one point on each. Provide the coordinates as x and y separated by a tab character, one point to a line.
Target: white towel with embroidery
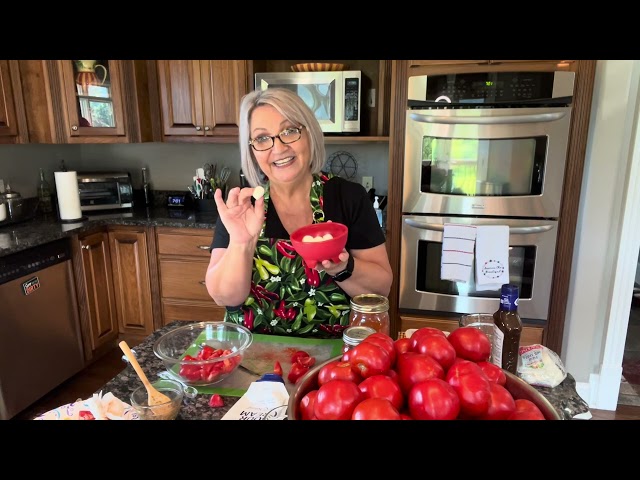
492	257
457	252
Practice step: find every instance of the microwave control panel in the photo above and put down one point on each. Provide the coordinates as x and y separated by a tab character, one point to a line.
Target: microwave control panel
351	98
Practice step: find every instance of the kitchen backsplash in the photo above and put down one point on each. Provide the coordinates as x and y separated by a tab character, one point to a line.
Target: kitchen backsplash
171	166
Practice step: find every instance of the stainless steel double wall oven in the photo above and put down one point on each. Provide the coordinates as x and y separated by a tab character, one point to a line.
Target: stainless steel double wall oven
483	149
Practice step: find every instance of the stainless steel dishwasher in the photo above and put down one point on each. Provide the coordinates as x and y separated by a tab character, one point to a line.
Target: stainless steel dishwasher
40	340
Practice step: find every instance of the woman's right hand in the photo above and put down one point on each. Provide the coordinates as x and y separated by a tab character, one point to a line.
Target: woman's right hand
242	220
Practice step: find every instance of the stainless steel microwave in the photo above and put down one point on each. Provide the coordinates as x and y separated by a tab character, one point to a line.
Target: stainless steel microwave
334	97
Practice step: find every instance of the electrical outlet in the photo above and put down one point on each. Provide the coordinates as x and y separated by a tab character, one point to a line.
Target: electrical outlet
371	97
367	183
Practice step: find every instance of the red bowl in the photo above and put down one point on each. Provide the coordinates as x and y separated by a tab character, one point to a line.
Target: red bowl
314	252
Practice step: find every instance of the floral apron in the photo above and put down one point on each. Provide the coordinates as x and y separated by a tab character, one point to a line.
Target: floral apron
287	297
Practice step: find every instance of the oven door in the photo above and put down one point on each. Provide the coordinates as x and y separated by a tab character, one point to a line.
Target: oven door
532	246
485	161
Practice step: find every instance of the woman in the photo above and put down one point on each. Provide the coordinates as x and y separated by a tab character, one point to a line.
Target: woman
254	271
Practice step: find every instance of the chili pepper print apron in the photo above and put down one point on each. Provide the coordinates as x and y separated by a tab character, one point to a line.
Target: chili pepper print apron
287	297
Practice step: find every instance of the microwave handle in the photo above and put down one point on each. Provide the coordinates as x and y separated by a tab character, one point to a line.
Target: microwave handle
493	120
438	227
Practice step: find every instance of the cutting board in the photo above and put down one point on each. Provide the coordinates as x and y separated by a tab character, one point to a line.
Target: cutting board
264	351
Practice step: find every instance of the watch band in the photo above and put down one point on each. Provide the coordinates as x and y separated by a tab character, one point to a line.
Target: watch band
346	273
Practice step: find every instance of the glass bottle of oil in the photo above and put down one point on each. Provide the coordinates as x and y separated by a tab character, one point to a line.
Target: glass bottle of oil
44	194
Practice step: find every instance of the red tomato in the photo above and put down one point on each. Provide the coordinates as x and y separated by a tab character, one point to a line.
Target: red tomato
416	367
307	404
338	370
369	359
424	331
433	399
526	410
470	344
474	392
382	386
205	352
385	342
190	372
493	372
461	367
336	400
298	354
501	403
375	409
402	345
297	371
404	416
438	347
216	401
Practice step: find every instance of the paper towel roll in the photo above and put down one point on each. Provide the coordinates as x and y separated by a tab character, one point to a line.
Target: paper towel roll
68	195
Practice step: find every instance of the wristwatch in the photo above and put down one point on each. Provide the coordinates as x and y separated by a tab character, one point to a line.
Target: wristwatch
346	273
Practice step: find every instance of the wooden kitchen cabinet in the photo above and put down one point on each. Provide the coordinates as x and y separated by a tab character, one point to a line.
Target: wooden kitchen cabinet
183	257
96	298
13	123
200	99
89	101
131	279
530	335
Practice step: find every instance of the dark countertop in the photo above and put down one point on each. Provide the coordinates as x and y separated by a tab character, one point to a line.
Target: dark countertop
47	228
563	397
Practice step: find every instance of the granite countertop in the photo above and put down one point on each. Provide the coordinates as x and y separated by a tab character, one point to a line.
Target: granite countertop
563	397
47	228
127	381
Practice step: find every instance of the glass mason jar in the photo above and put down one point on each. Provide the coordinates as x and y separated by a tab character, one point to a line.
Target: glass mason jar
352	336
370	310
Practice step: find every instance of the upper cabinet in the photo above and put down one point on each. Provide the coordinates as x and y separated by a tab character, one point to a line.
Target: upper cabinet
13	126
200	99
88	101
374	101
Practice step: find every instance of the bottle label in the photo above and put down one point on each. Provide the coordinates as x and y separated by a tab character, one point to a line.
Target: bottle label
496	350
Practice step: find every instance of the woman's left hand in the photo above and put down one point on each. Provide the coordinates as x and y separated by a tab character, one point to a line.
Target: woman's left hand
333	268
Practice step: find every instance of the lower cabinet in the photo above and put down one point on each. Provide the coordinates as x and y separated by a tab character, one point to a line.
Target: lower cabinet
96	299
115	286
183	257
530	335
131	280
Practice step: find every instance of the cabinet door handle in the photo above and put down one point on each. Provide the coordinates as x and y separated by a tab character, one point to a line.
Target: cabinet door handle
202	282
203	247
74	127
85	247
198	128
206	129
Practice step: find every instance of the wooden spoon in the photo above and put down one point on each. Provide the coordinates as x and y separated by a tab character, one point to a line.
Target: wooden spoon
155	397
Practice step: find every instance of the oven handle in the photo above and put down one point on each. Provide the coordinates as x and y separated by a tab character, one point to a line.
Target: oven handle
438	227
493	120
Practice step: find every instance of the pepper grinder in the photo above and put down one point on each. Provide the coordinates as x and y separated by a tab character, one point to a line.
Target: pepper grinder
146	187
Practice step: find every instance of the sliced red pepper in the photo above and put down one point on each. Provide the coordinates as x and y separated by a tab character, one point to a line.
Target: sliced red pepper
313	276
297	354
306	361
277	368
249	317
216	401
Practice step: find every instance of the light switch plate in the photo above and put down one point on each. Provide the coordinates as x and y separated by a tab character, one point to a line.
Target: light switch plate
367	183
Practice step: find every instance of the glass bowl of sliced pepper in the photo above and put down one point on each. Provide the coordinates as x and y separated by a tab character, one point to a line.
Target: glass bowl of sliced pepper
203	353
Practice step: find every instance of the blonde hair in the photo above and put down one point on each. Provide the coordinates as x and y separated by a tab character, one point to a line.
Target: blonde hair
293	108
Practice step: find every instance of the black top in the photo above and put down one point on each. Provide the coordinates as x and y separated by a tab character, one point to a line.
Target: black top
344	202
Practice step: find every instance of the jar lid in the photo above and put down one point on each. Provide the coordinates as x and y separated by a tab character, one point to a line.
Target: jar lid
370	303
354	335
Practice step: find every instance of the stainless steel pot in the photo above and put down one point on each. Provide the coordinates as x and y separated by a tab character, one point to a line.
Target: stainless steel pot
14	202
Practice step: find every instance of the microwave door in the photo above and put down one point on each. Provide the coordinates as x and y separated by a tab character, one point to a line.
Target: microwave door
498	162
321	91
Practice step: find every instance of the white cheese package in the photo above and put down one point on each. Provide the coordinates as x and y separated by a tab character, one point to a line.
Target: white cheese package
540	366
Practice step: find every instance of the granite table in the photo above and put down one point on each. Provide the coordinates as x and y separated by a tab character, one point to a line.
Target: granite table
563	397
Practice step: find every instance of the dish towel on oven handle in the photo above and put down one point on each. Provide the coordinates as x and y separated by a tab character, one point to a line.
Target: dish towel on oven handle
456	262
492	257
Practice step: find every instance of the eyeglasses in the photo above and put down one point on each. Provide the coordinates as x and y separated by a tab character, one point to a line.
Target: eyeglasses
265	142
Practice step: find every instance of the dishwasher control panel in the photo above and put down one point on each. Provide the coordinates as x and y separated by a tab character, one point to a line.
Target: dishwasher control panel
23	263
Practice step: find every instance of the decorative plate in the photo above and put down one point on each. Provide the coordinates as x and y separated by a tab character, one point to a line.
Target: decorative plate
318	67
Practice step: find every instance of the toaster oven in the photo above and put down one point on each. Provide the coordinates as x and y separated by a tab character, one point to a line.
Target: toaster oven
105	190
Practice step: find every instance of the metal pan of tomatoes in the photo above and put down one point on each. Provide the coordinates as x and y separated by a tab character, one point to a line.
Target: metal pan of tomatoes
428	376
